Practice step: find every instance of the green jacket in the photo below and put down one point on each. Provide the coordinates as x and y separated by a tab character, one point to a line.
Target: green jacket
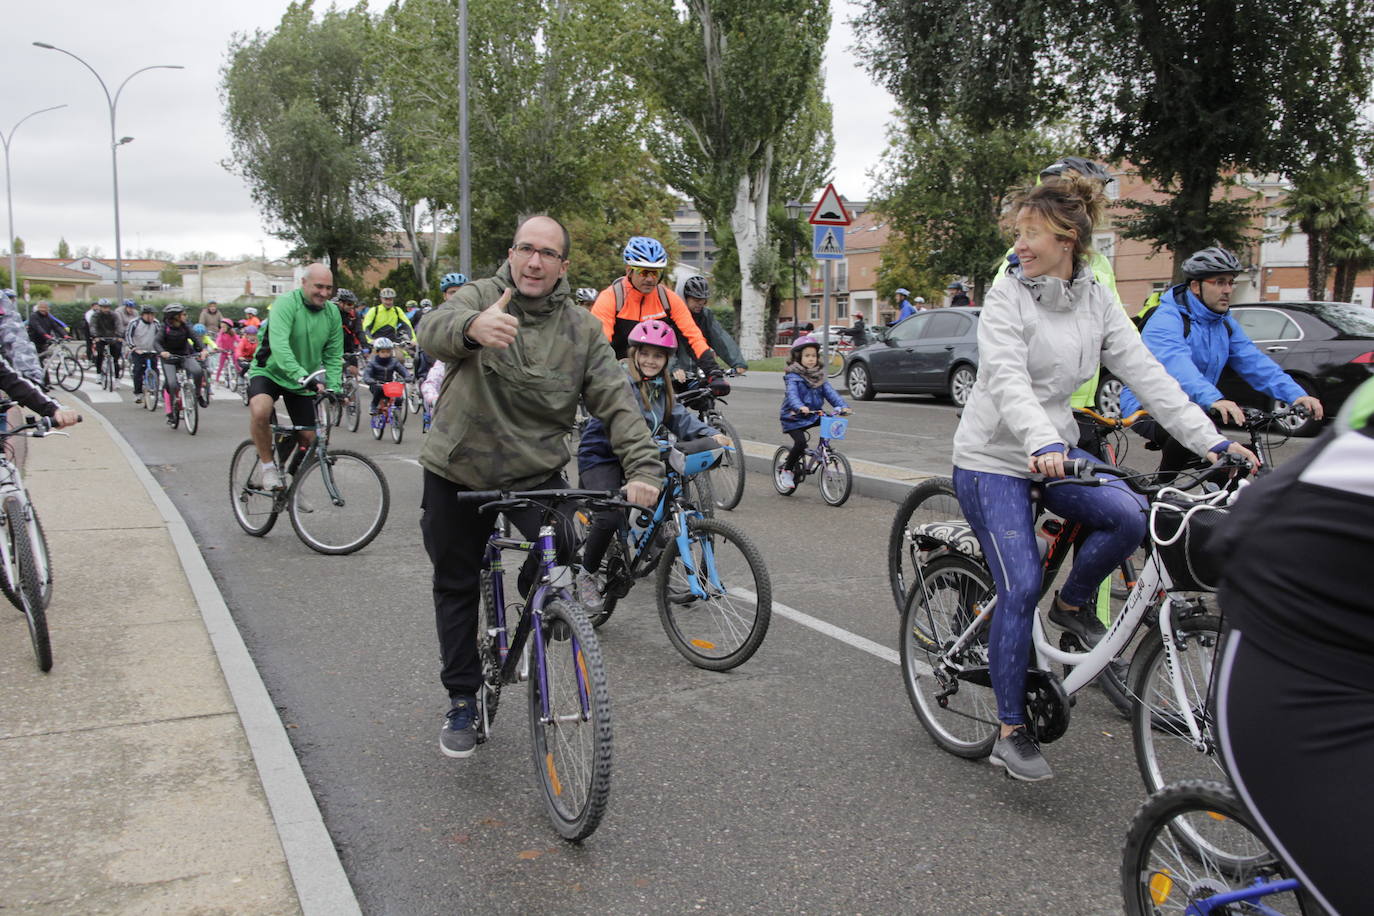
301	340
503	416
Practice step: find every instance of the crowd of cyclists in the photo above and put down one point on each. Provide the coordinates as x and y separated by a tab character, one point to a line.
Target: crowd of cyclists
506	362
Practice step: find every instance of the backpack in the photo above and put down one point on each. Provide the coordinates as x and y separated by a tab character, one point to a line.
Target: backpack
618	289
1151	306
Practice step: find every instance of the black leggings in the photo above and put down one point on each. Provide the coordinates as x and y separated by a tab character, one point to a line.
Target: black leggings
1300	749
607	476
798	447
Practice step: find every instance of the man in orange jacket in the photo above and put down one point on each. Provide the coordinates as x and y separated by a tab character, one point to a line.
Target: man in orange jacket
638	296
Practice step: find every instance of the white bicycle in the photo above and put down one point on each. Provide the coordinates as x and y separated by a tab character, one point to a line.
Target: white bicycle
944	640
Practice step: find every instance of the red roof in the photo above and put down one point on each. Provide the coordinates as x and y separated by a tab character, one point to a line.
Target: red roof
52	269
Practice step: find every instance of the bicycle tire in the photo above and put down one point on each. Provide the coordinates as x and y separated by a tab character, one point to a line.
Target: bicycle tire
932	619
28	589
190	407
378	421
1174	758
70	375
398	423
488	649
107	370
834	366
929	501
152	390
333	529
727	478
726	628
703	494
572	749
615	560
413	400
836	479
255	509
779	458
42	555
351	409
1163	871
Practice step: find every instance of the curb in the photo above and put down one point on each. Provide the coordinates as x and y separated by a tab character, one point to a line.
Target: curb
758	457
321	885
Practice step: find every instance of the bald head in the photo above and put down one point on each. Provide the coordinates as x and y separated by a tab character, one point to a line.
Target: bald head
317	285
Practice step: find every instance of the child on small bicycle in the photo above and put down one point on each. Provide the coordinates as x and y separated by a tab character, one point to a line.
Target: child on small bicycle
245	345
226	342
381	368
805	394
651	345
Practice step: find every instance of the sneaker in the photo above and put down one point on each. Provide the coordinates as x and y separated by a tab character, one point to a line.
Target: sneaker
138	400
1082	623
458	737
270	478
590	590
786	480
1019	755
171	420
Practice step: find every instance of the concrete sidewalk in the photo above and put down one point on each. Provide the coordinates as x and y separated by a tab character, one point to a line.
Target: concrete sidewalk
148	771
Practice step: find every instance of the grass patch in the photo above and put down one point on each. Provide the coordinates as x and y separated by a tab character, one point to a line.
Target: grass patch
770	364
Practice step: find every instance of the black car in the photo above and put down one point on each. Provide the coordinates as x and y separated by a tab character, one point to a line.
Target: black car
1327	347
931	352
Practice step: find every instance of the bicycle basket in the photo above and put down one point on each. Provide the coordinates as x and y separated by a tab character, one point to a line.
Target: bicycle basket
394	389
1185	533
833	427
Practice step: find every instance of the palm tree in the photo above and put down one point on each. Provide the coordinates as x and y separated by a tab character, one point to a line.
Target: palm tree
1321	201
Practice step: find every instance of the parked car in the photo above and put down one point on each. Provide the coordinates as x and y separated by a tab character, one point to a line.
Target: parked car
1327	347
933	352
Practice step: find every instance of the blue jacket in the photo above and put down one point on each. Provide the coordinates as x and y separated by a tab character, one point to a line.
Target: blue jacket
380	370
1213	343
595	447
797	394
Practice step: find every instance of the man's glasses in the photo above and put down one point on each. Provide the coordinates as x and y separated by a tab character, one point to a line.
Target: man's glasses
649	273
526	250
1221	282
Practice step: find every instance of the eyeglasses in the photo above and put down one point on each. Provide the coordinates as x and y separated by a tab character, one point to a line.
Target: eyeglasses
1221	282
649	273
526	250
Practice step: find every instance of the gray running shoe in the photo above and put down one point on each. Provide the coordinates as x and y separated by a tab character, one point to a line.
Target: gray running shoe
1019	755
458	737
1082	623
590	591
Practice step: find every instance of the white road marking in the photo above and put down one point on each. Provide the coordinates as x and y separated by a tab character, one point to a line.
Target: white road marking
861	643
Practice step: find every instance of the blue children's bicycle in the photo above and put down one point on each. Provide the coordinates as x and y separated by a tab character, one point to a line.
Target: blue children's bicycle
836	478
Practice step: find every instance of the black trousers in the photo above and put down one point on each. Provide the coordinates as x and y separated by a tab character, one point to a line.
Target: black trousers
455	536
606	476
798	446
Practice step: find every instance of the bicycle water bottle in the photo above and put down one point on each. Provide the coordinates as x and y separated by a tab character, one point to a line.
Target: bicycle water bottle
1046	535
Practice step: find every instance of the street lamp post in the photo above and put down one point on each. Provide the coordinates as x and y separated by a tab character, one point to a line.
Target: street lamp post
9	197
794	208
114	147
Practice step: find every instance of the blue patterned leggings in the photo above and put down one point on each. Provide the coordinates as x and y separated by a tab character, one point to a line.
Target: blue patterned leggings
998	506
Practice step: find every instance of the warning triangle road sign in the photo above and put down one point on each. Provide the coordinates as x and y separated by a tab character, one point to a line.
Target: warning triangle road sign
830	210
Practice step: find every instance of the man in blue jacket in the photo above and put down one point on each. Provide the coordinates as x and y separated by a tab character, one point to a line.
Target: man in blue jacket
1192	336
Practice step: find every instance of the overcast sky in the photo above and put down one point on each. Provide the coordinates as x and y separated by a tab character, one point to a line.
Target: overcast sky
173	193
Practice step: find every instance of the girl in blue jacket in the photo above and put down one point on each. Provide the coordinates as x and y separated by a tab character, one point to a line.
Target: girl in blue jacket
805	393
651	344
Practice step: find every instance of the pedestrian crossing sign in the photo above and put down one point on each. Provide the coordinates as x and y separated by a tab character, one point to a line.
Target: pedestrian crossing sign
827	243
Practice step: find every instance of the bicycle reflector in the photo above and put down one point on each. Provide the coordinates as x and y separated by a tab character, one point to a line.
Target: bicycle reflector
834	427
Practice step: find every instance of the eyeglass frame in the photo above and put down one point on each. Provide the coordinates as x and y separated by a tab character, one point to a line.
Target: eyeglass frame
526	250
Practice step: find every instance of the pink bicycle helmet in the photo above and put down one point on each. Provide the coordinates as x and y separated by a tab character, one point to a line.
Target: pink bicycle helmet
806	340
654	333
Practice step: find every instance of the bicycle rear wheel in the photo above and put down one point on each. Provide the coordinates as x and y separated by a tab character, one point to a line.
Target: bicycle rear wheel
350	523
572	742
930	501
780	458
29	588
716	603
255	509
959	713
727	478
1164	749
836	479
834	363
1193	841
191	406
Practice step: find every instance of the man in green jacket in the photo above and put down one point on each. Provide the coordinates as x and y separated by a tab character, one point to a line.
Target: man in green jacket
520	354
304	333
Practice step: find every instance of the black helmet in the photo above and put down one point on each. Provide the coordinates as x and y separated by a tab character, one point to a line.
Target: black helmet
176	308
697	288
1209	262
346	296
1085	167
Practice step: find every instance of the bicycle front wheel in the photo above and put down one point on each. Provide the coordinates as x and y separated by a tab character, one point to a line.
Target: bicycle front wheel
717	601
70	375
727	478
959	713
255	509
929	502
836	479
339	506
1164	869
29	588
1164	749
351	410
191	407
570	722
703	494
398	422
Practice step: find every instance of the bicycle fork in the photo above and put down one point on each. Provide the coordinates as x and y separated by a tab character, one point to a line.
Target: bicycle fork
1171	662
689	563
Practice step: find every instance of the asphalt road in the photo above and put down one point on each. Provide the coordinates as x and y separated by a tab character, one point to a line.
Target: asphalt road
799	783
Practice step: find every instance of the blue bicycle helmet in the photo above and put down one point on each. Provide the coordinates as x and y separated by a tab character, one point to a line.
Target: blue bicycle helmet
451	280
198	330
129	303
642	251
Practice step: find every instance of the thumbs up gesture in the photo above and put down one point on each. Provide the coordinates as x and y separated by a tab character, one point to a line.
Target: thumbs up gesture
493	327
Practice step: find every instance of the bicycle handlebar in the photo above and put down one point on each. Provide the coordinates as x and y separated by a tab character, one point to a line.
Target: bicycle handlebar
1111	422
1084	472
35	426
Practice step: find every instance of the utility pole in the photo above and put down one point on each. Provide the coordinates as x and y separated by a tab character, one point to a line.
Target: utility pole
464	159
14	260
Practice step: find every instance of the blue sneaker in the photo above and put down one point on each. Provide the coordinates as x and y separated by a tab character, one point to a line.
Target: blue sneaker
458	737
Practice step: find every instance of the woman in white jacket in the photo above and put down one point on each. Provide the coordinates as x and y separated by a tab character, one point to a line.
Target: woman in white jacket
1044	328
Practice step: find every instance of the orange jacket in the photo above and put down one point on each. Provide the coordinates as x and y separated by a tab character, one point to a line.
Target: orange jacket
636	307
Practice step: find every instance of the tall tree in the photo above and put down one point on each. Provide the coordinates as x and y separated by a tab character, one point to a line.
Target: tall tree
730	75
18	245
302	113
63	249
1323	203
